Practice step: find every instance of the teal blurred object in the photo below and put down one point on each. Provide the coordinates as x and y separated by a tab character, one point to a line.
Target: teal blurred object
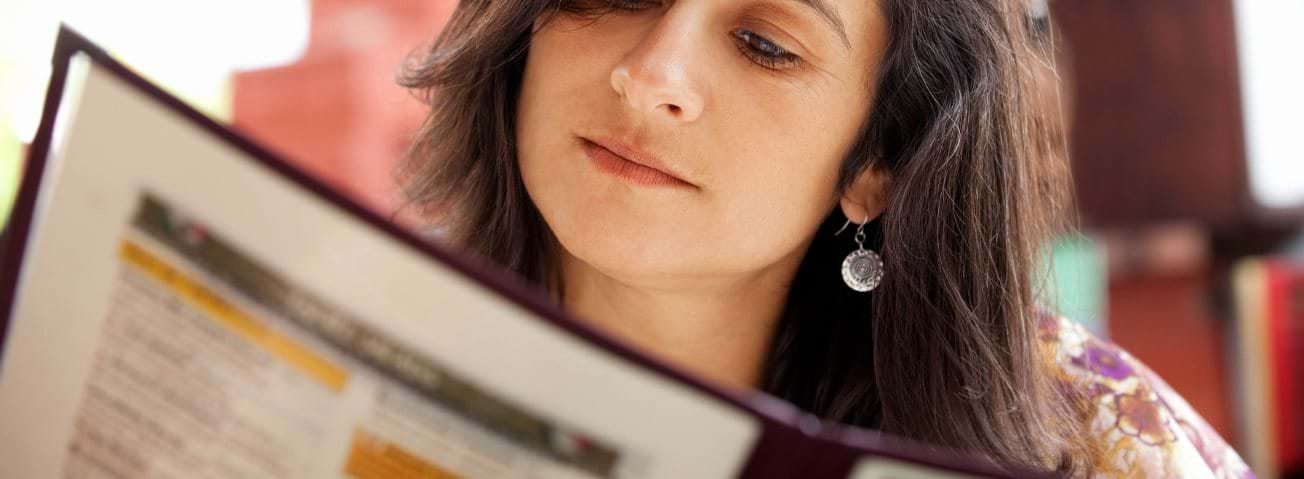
1295	248
1078	281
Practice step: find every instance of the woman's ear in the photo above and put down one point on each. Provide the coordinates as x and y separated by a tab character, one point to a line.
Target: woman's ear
867	195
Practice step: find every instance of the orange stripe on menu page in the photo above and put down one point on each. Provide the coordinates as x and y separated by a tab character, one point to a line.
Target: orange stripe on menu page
372	457
226	314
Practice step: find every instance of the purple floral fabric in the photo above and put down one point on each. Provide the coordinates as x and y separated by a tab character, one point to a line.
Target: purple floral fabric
1145	429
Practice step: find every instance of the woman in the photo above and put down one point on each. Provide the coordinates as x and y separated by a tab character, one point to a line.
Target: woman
677	173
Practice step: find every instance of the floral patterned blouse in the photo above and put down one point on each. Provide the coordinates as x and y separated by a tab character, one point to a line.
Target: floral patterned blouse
1144	427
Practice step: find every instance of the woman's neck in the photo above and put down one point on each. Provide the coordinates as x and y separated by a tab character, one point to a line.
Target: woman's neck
719	328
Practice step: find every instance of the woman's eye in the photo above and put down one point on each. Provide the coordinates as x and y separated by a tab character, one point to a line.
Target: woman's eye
764	52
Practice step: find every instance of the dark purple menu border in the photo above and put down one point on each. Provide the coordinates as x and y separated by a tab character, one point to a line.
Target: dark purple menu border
825	449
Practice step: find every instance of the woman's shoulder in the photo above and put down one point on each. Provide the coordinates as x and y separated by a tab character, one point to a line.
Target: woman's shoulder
1143	427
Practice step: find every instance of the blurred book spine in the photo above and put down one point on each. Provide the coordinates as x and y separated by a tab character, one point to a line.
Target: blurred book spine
1269	346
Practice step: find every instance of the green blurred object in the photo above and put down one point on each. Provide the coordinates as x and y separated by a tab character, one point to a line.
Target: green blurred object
1077	282
10	169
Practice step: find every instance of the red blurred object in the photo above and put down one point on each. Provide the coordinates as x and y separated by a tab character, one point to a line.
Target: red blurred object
338	112
1286	333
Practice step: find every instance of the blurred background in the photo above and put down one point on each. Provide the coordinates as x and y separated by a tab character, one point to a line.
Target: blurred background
1182	120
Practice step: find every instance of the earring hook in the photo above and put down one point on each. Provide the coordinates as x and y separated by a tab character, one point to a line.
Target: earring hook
844	225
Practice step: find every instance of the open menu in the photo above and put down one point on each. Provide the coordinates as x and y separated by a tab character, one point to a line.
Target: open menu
179	302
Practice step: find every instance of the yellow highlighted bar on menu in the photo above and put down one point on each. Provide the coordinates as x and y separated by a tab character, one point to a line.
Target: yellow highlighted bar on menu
273	342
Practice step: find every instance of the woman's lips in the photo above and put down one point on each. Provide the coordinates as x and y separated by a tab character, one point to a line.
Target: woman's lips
622	167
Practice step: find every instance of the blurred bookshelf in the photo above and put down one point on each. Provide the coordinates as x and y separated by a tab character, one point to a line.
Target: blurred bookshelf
1267	354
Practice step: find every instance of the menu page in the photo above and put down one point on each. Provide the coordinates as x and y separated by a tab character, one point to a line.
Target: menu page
184	310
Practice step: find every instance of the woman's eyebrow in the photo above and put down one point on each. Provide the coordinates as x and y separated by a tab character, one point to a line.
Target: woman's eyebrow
830	16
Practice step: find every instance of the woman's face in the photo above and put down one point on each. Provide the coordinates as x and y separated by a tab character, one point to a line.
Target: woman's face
751	104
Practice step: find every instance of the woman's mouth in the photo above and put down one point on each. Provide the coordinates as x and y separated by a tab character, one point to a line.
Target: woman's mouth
630	165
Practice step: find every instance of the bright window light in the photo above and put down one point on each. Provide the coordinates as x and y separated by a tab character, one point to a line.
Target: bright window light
190	47
1272	87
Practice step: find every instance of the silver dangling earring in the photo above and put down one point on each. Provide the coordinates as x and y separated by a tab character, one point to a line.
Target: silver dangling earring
863	268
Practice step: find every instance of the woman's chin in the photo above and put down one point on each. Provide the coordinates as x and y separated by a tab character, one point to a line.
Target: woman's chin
634	260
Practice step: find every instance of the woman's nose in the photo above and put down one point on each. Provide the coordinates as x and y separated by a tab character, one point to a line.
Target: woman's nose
654	76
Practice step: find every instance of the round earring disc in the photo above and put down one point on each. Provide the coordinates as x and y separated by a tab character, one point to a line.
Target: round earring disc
862	270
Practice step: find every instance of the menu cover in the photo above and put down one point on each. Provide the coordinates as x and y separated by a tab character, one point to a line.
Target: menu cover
177	301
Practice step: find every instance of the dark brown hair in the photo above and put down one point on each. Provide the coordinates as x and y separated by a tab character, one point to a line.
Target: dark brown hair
945	350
